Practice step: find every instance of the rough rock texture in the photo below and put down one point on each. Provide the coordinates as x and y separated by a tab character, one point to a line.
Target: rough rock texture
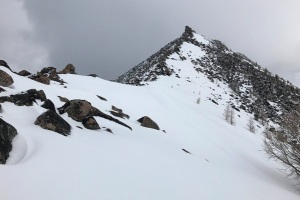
41	78
48	104
69	69
25	98
50	120
24	73
78	109
5	79
148	122
89	122
7	134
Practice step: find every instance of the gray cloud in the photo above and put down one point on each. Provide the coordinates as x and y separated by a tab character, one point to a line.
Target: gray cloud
109	37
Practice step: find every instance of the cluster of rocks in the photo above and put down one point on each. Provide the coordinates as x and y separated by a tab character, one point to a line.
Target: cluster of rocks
49	73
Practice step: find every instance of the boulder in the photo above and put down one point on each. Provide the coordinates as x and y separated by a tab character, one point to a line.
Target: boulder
89	122
148	123
4	64
50	120
69	69
5	79
78	109
48	104
37	94
41	78
24	73
7	134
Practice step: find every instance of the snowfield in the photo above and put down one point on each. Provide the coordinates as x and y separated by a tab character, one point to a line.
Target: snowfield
225	161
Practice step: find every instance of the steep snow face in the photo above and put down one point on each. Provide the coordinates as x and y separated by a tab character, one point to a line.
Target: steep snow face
225	161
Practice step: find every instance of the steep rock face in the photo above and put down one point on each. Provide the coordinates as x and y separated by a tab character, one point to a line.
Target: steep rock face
255	89
7	134
5	79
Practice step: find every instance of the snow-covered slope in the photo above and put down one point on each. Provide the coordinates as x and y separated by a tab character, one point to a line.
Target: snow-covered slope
225	161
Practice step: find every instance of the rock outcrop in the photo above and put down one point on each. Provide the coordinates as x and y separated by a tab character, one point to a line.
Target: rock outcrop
69	69
50	120
24	73
5	79
7	134
79	110
26	98
148	123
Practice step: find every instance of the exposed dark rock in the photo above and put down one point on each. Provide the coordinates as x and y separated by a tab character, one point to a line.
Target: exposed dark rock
148	122
108	130
63	99
119	114
37	94
102	98
6	99
89	122
48	104
50	120
186	151
78	109
4	64
2	90
118	110
26	98
24	73
5	79
98	113
0	108
79	127
47	70
41	78
93	75
69	69
7	134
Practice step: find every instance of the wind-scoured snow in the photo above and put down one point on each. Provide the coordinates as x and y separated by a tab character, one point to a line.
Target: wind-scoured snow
226	162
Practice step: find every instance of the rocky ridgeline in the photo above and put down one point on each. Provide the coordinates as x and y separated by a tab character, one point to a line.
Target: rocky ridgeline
77	109
255	89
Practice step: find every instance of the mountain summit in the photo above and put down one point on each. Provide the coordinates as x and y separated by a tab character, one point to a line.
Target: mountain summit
256	90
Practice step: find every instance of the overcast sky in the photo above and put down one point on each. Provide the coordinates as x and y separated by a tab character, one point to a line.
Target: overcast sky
108	37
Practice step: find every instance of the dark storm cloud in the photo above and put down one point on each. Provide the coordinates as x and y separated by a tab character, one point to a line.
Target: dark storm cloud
110	37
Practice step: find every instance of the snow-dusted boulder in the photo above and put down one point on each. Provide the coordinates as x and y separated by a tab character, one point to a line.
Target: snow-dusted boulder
7	134
50	120
148	123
